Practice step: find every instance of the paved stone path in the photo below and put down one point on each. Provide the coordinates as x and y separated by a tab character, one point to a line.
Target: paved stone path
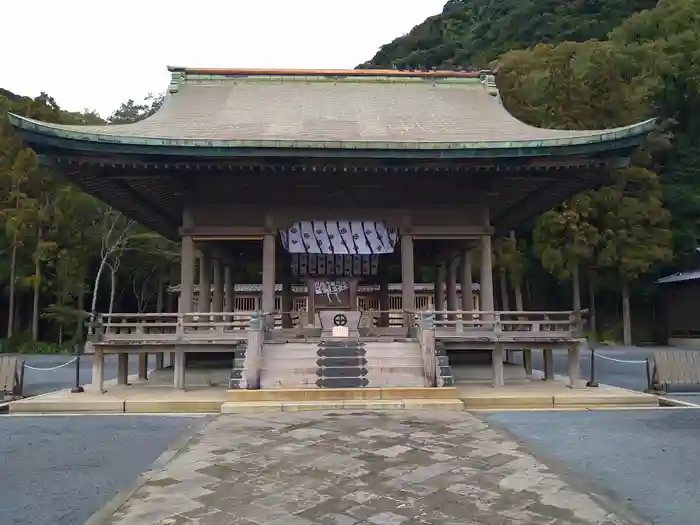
383	469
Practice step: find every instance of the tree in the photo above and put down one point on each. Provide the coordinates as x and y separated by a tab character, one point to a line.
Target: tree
131	111
634	231
471	33
115	228
565	238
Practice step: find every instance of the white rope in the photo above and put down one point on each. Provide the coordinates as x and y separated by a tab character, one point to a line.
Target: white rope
52	368
619	360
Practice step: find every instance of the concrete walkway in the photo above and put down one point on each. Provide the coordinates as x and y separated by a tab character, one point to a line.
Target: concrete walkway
357	467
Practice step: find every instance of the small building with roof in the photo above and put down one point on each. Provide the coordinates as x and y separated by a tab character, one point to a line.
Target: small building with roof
681	292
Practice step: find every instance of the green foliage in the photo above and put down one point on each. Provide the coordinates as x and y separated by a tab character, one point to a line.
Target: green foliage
633	224
566	237
22	344
582	65
471	33
55	233
512	259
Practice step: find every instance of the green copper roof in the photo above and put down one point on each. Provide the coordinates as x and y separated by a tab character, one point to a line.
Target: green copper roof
330	110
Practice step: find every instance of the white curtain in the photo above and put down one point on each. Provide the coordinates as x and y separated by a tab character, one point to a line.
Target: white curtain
339	237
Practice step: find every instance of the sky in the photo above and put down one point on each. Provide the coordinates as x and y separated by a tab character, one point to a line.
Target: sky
95	55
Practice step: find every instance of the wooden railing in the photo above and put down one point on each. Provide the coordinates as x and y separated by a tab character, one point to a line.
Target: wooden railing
170	327
384	318
508	323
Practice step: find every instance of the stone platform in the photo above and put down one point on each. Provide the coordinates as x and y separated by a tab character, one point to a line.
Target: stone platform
153	397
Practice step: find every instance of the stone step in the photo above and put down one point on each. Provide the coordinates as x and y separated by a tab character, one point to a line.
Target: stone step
242	407
287	382
306	365
312	362
396	382
281	352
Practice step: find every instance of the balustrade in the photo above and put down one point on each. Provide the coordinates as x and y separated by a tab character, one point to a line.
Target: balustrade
508	324
169	327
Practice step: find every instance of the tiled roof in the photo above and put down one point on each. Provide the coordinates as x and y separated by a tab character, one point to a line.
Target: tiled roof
331	109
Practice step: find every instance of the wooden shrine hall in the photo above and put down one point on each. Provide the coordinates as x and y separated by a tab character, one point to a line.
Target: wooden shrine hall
335	180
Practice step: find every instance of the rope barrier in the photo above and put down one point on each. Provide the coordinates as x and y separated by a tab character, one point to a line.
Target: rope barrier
620	360
51	368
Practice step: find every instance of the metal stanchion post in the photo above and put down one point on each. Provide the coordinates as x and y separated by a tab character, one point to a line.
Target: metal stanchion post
77	389
648	367
592	382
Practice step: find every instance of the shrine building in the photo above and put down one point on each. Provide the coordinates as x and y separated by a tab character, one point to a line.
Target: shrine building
338	185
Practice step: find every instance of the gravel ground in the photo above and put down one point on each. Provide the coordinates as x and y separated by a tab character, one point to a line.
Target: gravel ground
648	459
59	470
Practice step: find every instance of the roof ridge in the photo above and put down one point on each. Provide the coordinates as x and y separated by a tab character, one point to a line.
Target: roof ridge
328	72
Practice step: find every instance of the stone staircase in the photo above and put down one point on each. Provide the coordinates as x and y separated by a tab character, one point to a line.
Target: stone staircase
342	364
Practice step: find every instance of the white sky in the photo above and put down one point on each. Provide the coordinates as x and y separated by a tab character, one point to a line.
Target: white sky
94	54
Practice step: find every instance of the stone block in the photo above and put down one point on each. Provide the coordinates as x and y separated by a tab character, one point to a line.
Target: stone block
418	393
434	404
501	401
374	404
67	405
304	394
300	406
243	407
170	406
596	400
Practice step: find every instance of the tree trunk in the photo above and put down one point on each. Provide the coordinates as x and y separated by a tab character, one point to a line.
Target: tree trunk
13	271
518	298
593	324
626	320
160	299
37	288
112	289
576	282
93	304
517	287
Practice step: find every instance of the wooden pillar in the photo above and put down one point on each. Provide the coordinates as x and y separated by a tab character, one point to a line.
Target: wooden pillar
574	365
548	358
122	368
98	370
268	273
467	298
204	299
486	284
229	291
384	305
187	256
452	285
311	303
498	376
287	298
179	369
440	276
218	298
143	365
187	275
408	287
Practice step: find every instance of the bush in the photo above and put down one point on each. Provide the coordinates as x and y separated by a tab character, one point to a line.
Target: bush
22	344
